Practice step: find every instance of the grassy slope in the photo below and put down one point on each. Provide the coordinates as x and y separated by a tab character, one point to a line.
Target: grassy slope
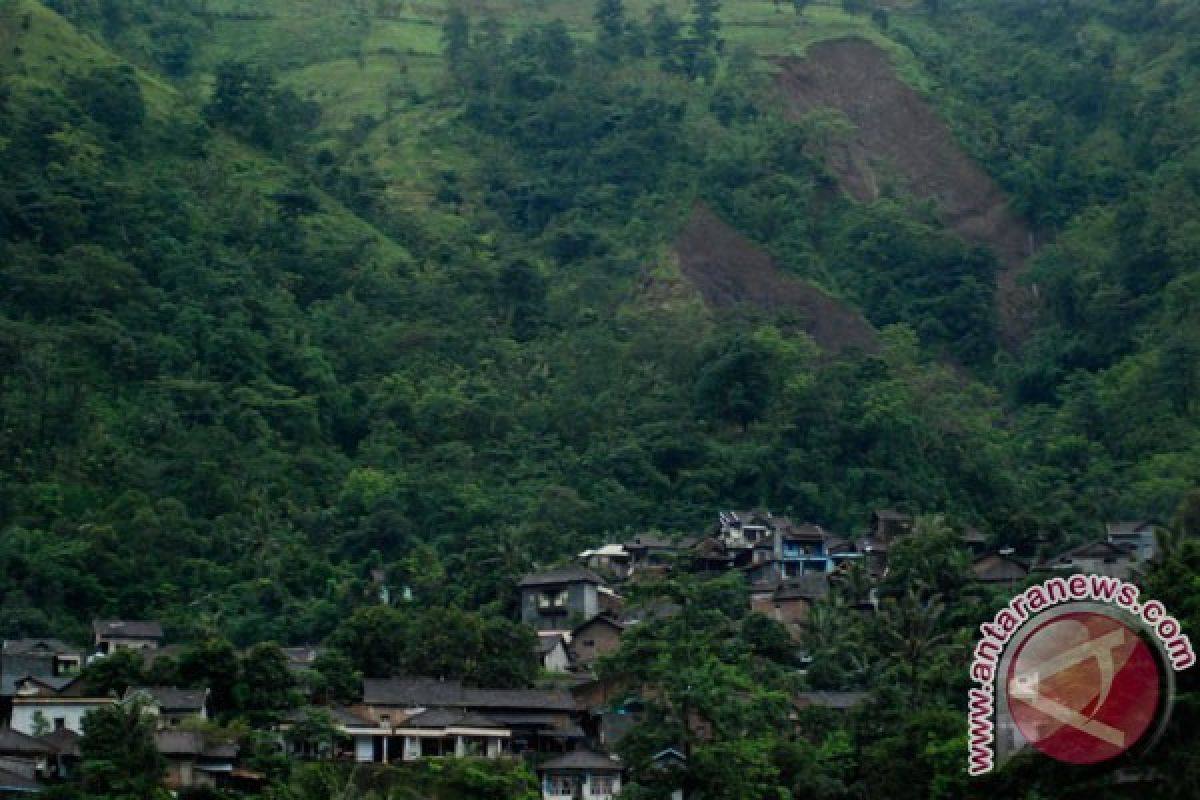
363	63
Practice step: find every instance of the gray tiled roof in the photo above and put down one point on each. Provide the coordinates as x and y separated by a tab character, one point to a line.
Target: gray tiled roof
583	761
430	693
16	743
44	647
179	743
446	718
564	575
170	698
128	628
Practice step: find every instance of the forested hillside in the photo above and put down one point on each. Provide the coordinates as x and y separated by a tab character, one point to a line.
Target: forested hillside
294	290
301	296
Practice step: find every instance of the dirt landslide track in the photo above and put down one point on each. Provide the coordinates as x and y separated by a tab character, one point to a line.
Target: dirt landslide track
729	270
898	134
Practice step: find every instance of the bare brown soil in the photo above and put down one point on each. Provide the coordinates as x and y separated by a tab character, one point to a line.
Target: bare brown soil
729	271
898	134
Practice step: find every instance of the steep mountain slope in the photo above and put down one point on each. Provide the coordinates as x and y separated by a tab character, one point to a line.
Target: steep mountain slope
731	272
897	135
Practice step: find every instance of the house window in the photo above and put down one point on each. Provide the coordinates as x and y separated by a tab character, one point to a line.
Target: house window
60	723
602	786
559	786
552	599
589	642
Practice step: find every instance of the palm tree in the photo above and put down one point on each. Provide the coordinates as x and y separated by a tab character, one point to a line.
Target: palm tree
912	626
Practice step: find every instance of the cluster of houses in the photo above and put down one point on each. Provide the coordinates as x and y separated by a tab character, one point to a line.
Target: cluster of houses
579	615
43	701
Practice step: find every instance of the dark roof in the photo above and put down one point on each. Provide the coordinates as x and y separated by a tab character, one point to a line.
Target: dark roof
220	751
430	693
999	567
170	698
33	647
128	628
647	540
564	575
836	700
546	643
16	667
1092	549
582	760
1129	527
55	683
16	743
446	718
350	718
12	782
603	619
64	741
525	719
179	743
891	514
806	533
340	715
662	609
811	586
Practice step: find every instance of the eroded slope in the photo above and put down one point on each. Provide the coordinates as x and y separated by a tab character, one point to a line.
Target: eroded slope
898	135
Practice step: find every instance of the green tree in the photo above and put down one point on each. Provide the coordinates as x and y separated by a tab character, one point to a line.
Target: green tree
375	639
735	385
213	664
118	755
609	16
264	683
114	673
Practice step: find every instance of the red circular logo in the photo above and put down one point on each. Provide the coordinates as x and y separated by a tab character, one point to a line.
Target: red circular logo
1083	687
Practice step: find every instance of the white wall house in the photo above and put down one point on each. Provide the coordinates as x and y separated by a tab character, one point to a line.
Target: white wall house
36	712
581	774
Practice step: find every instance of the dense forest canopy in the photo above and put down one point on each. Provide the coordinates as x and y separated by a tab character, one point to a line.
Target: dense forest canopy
291	292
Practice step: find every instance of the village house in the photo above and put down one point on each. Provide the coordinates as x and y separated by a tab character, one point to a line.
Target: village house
789	602
34	658
193	762
1094	558
553	652
794	550
612	559
560	598
112	635
1137	536
654	554
710	555
743	529
487	722
597	637
25	756
580	775
887	525
1002	568
42	705
170	706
